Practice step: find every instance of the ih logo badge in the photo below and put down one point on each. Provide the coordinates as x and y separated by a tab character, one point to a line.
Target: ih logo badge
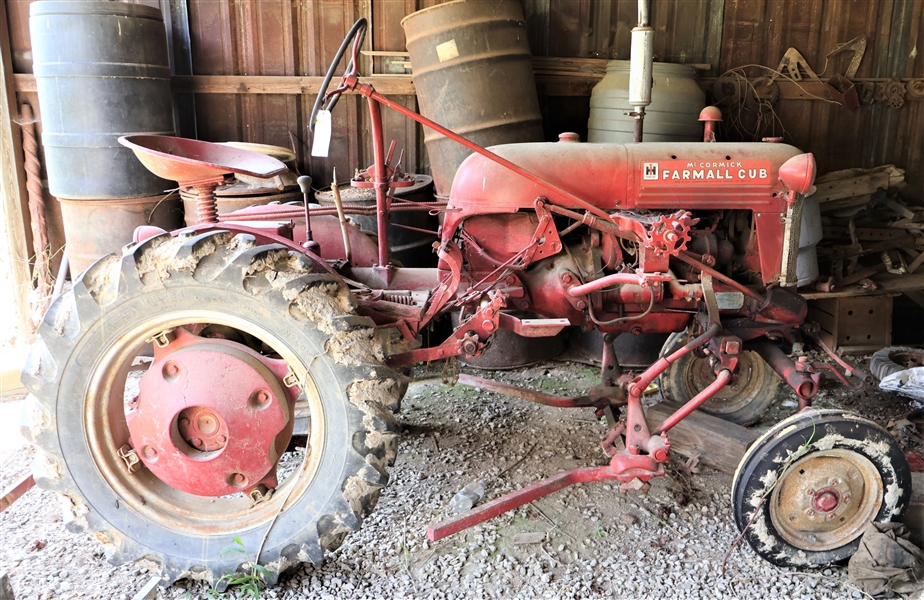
650	171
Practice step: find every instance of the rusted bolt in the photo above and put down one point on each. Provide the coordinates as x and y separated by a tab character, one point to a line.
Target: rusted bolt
263	397
237	479
835	481
811	492
197	442
207	424
556	246
846	499
149	452
488	325
171	369
567	278
809	513
510	280
581	305
832	516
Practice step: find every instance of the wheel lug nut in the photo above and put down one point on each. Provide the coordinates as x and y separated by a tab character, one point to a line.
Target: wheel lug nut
171	369
238	479
832	516
149	452
263	397
810	513
197	443
846	498
811	492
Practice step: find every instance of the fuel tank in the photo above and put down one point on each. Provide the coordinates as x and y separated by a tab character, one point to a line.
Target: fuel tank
668	176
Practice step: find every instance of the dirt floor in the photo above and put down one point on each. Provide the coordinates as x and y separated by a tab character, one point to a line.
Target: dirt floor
588	541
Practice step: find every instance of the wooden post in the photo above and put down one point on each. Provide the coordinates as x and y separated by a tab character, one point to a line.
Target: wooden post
714	28
13	181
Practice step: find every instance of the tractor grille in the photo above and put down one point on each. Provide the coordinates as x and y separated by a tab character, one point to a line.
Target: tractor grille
788	274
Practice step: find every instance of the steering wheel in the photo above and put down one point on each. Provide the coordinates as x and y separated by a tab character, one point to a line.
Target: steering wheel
356	34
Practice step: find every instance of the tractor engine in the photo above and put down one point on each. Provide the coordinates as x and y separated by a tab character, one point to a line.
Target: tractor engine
661	215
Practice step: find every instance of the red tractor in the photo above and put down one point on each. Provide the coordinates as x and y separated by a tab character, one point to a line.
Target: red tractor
169	383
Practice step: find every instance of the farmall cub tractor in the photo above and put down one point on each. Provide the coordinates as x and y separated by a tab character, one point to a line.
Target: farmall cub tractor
169	383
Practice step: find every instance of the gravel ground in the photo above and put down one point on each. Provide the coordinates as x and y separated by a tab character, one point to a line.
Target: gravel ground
595	541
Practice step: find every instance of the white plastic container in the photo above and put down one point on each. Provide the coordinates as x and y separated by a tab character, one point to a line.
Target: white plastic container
672	116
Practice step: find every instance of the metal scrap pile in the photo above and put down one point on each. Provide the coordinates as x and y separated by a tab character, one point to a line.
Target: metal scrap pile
871	234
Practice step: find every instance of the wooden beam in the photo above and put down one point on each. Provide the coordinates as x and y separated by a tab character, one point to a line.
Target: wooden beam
15	491
13	178
718	443
399	85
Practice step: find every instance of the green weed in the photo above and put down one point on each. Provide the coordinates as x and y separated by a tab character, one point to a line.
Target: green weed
250	582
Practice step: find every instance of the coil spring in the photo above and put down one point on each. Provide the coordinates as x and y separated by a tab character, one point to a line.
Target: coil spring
398	299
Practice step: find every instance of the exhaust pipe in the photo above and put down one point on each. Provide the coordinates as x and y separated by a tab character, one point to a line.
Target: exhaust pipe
640	68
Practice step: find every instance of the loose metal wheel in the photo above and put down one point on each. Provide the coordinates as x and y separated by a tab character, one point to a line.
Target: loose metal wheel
806	490
170	458
743	401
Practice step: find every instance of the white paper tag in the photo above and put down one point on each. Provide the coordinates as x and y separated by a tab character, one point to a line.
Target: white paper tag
320	144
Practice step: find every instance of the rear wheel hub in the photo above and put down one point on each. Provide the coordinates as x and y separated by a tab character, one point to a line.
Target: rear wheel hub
212	417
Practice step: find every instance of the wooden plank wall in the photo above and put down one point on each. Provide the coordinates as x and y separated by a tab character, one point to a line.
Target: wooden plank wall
300	37
759	32
274	37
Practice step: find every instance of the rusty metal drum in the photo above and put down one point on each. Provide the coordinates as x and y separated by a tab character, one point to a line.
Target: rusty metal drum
95	228
474	75
101	71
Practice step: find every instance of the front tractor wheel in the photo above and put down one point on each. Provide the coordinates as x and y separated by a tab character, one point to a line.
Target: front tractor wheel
807	489
743	401
164	393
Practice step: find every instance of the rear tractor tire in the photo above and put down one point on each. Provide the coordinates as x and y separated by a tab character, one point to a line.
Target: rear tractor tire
256	312
743	401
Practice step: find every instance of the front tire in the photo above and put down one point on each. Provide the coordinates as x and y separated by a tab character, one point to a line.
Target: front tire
95	337
805	491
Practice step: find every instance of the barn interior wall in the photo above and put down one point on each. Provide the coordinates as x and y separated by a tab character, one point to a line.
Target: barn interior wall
300	37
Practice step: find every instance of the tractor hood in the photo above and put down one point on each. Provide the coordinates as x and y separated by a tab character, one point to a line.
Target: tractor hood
668	176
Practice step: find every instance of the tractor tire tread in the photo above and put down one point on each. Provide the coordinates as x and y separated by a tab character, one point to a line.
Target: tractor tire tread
277	276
